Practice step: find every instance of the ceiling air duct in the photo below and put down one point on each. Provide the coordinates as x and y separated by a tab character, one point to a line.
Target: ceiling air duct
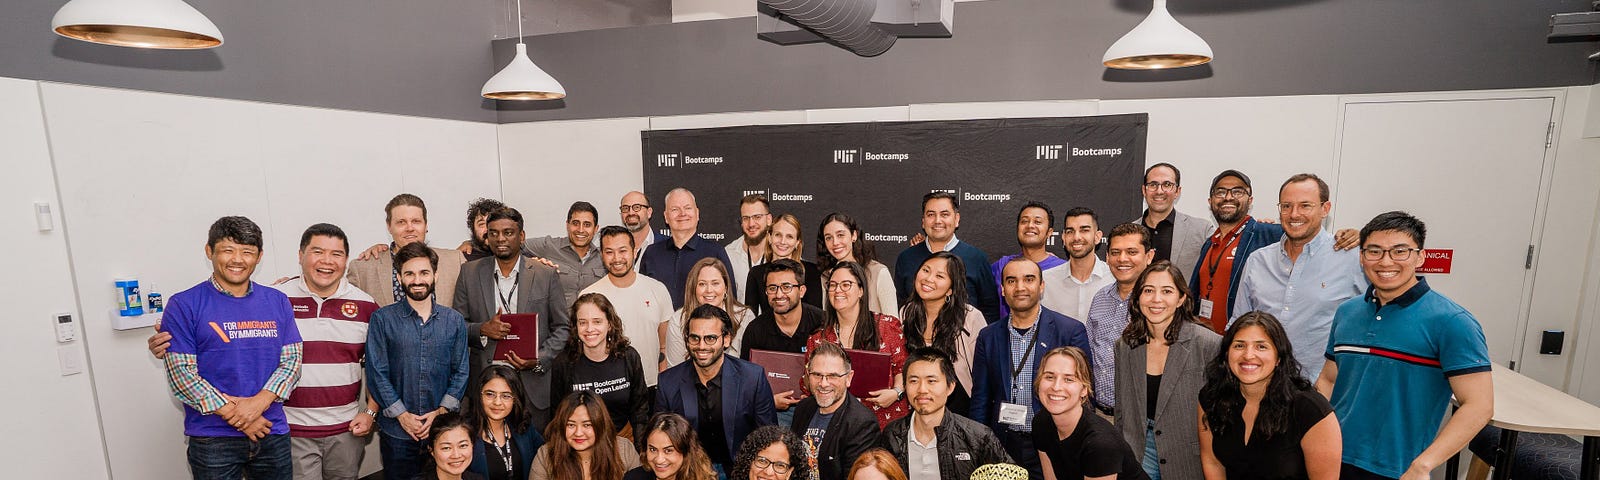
847	23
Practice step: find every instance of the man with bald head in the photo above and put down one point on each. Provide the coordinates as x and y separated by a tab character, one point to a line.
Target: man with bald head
636	212
669	262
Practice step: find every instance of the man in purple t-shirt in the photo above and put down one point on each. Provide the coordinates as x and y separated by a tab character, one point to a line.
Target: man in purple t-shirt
235	356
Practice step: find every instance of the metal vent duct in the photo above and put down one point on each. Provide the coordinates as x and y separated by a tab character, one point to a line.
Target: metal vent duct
847	23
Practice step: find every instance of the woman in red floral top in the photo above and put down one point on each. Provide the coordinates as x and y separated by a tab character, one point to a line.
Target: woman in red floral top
863	329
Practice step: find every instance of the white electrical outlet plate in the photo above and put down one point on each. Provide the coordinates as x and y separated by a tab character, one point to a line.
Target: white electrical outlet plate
71	358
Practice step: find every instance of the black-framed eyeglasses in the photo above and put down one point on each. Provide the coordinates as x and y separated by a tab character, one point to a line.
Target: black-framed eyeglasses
1398	254
781	287
817	377
1160	186
696	339
844	286
777	467
632	207
1236	192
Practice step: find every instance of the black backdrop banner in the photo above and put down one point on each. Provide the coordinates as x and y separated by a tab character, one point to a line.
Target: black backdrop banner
878	172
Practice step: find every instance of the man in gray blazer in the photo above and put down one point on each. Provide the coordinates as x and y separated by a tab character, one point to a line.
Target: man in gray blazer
1177	237
507	282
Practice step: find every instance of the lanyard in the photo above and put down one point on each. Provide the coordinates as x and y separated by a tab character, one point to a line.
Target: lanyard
1027	352
1211	273
505	300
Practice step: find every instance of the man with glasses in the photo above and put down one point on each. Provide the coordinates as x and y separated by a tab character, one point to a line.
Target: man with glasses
1394	386
723	397
834	425
641	302
1301	279
1175	236
933	442
636	213
576	257
749	250
786	326
670	261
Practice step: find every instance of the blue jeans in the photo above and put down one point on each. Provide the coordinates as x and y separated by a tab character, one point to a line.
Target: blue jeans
231	458
1152	458
402	457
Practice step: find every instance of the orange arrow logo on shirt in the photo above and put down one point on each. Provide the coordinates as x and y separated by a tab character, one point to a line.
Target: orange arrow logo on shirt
220	333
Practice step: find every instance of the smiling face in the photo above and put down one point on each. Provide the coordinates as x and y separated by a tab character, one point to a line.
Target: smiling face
754	220
1033	228
1060	389
844	290
784	239
663	458
580	430
592	326
580	229
775	454
1159	298
407	224
1081	236
828	378
705	341
784	302
497	399
416	275
1391	278
709	288
1301	210
1252	357
616	251
1019	282
933	280
1161	189
682	214
505	239
452	450
940	219
232	263
635	219
1230	200
838	239
926	387
1127	257
322	262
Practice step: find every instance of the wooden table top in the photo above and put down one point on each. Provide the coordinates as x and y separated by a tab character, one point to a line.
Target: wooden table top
1525	405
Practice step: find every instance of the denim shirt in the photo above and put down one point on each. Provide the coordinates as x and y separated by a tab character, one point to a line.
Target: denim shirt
414	365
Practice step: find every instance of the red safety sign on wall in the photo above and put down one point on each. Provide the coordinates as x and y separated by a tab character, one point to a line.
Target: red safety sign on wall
1436	260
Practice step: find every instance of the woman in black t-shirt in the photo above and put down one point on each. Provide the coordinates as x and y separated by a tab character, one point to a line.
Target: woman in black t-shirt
599	359
1259	417
1073	443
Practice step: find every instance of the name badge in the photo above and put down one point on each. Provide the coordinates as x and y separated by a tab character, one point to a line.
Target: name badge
1013	414
1205	308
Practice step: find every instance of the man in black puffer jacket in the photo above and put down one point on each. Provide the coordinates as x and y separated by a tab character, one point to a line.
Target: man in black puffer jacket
933	437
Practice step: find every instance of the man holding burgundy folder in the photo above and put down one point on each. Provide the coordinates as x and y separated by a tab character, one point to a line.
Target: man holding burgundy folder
508	295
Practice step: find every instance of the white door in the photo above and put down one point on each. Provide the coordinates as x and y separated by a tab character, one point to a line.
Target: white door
1473	171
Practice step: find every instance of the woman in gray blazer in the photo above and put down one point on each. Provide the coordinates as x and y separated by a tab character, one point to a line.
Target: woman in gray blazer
1160	367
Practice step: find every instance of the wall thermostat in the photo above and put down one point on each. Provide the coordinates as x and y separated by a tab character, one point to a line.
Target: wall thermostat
66	329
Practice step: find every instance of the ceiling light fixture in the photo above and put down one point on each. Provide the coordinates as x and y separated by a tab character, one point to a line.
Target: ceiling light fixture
162	24
1156	43
521	79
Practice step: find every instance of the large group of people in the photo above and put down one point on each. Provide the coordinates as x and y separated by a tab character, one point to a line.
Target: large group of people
1233	347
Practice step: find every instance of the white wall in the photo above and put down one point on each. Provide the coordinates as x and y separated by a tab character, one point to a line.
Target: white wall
143	175
52	425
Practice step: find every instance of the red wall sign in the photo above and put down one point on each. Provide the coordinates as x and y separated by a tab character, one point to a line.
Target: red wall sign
1437	260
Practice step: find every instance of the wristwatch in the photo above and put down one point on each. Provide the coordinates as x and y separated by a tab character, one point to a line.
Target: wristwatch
370	413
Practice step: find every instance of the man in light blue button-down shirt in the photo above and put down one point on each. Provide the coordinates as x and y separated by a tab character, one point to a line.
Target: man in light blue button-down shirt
1302	279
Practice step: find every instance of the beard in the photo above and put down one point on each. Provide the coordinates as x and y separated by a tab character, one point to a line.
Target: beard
1238	214
709	361
828	401
419	296
635	226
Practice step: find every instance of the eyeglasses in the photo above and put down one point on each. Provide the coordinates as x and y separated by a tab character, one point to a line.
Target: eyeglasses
844	286
1399	254
817	377
502	396
708	339
782	287
777	467
1161	186
1298	207
746	218
1239	192
632	207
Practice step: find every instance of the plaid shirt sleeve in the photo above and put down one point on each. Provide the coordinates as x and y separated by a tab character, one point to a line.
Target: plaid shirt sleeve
183	377
287	374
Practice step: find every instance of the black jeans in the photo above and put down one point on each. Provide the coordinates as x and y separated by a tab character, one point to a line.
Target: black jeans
1020	446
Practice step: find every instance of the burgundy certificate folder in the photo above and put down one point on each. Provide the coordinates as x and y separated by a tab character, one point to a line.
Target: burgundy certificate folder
523	339
872	372
785	371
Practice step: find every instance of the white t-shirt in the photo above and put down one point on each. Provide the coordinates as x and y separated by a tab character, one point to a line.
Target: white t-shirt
642	307
1064	294
678	351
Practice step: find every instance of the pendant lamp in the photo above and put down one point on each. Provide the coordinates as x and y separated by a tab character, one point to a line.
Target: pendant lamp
521	79
1156	43
162	24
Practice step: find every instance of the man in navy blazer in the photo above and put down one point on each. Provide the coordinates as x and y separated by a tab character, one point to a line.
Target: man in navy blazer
1008	353
723	397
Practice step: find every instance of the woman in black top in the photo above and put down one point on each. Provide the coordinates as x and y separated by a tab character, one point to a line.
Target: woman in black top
506	440
599	359
1259	417
783	241
1073	443
672	452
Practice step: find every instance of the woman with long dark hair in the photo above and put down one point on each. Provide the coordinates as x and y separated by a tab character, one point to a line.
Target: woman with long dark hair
1259	417
771	453
450	449
940	317
1160	363
708	283
783	241
672	452
506	441
840	240
599	358
583	445
852	325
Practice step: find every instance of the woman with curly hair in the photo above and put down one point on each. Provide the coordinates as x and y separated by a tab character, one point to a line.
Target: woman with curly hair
599	358
771	453
583	445
1259	417
672	452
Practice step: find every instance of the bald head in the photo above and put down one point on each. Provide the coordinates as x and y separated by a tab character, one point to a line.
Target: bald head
635	210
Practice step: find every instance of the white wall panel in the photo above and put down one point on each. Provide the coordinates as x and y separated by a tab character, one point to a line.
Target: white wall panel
545	166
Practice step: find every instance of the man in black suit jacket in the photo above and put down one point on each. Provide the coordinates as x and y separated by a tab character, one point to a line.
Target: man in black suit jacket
509	283
835	427
723	397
